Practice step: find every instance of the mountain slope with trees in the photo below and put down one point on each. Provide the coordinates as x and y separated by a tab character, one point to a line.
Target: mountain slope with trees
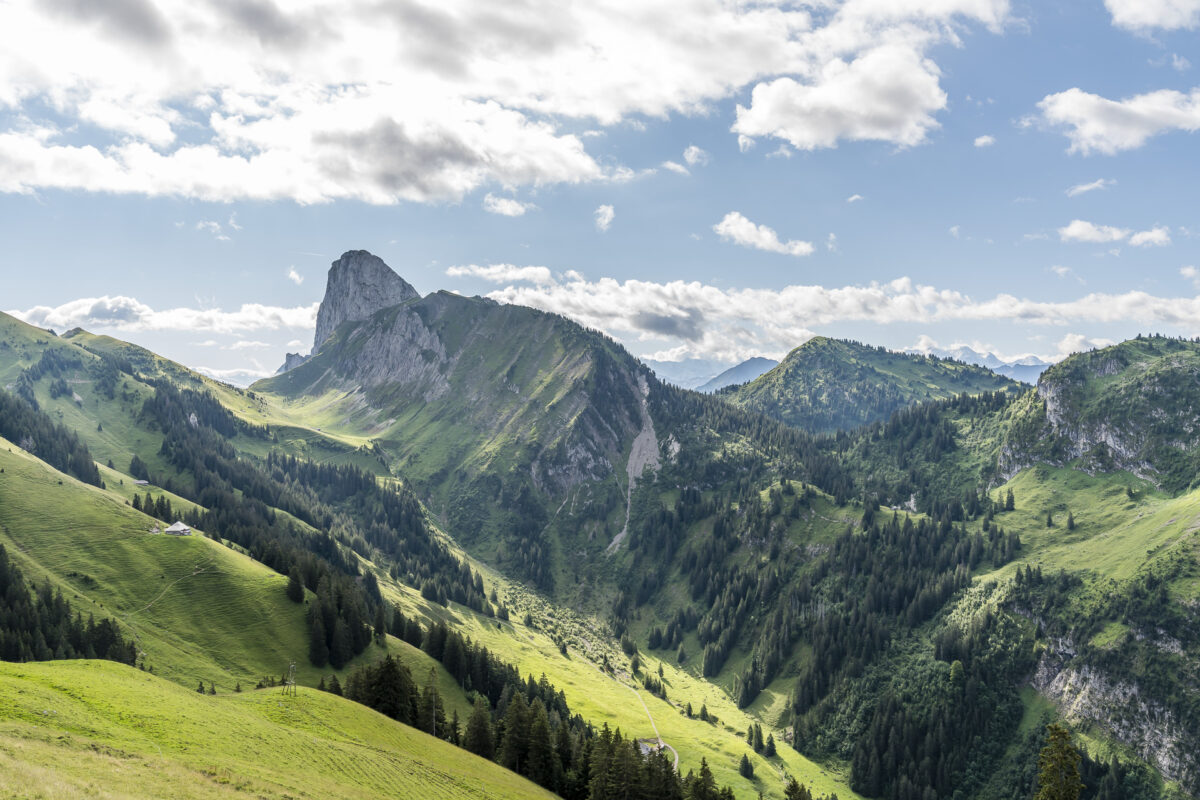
827	385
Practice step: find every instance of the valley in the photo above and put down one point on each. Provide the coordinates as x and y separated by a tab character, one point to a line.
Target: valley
840	571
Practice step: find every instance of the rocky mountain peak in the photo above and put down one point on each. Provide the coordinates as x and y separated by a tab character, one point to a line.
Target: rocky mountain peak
359	284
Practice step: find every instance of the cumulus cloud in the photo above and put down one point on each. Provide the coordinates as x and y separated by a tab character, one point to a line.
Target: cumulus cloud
1078	343
123	313
987	140
889	94
1192	274
676	167
505	206
1079	230
695	157
295	277
691	318
737	229
1155	237
1095	124
266	101
604	217
502	273
247	344
1143	15
1084	188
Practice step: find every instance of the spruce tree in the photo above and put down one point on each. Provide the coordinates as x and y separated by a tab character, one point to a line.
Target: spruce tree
1070	521
745	768
295	587
318	650
1009	501
1058	767
478	737
335	686
539	763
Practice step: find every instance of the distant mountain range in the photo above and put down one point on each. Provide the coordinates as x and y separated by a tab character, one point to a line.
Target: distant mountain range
1025	370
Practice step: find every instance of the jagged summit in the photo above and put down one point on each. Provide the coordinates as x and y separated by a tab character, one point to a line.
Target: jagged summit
359	284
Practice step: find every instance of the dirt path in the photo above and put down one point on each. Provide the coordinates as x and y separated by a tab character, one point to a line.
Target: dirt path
650	717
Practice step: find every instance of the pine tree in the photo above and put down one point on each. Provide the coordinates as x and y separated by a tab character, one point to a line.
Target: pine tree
1070	521
295	587
1009	501
200	688
335	686
796	791
478	738
318	650
515	743
1049	519
769	747
1058	765
745	768
539	764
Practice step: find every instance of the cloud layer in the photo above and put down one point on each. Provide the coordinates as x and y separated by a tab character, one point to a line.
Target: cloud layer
123	313
319	101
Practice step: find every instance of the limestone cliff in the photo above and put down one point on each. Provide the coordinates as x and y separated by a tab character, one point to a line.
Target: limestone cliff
359	284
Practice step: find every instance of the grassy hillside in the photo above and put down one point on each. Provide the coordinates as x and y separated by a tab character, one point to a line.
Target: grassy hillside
98	729
199	610
826	385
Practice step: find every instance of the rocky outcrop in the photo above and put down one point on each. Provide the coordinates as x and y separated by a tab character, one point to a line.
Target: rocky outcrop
291	361
1086	694
359	284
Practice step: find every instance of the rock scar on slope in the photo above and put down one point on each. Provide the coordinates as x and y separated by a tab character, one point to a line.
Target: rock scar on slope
643	453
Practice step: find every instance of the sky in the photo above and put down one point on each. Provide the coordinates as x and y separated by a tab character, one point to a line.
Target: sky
699	179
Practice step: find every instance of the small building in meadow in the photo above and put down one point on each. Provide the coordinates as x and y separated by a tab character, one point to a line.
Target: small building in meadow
179	529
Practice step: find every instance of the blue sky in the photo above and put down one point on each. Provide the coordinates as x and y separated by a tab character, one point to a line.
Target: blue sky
1011	176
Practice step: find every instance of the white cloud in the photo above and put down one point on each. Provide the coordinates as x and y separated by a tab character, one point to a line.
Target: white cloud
783	151
247	344
129	314
854	198
954	231
505	206
1079	230
695	157
737	229
239	376
1078	343
502	273
831	242
1142	15
296	343
675	166
1155	237
209	226
320	101
1083	188
888	93
732	324
295	277
233	223
604	217
1179	63
987	140
1095	124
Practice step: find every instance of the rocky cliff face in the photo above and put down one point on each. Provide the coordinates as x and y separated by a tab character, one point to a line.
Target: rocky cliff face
359	284
1129	714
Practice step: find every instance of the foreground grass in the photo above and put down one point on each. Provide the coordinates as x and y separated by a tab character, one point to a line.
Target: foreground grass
103	730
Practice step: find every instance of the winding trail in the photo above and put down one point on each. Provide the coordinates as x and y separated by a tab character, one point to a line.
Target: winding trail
650	717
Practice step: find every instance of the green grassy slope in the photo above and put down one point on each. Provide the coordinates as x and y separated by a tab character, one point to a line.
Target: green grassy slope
826	384
198	609
103	730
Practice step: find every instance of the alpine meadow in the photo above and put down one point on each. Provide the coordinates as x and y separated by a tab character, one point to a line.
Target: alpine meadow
717	401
